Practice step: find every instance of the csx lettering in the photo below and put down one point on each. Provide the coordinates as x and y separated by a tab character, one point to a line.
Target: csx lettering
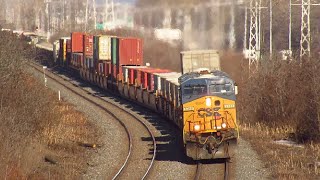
205	112
202	112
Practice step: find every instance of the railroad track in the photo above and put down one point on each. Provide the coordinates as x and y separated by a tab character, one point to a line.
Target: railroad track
200	168
135	131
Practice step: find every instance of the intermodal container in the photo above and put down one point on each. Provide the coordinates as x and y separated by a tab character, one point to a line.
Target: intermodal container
115	71
114	50
150	77
159	80
95	47
107	66
73	59
68	45
100	68
127	51
82	62
77	42
89	63
69	55
137	77
194	61
56	47
88	46
128	73
144	77
104	48
76	59
166	83
63	50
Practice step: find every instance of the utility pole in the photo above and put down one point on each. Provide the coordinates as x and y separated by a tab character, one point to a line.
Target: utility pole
86	18
94	13
305	39
48	17
305	30
245	29
109	16
232	38
253	36
271	26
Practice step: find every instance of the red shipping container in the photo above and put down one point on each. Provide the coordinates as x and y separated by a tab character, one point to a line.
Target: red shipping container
144	77
88	46
130	51
108	68
76	42
115	72
137	80
130	75
150	77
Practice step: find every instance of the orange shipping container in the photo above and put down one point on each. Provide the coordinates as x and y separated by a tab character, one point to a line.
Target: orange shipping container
76	42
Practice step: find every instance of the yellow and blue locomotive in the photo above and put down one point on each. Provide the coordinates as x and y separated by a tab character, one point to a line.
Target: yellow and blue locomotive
209	114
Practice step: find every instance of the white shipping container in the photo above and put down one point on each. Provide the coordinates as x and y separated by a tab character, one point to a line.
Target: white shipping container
198	60
104	52
158	76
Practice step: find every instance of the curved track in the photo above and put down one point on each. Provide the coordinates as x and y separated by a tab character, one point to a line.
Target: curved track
130	161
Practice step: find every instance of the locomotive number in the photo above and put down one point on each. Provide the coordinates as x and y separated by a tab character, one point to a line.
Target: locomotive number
188	108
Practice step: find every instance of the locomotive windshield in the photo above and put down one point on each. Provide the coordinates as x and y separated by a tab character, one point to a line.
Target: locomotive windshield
195	90
220	88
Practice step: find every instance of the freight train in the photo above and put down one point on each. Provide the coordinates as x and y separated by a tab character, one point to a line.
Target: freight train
200	100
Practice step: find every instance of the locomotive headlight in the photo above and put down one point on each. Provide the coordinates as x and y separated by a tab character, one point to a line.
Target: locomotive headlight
208	102
196	127
223	125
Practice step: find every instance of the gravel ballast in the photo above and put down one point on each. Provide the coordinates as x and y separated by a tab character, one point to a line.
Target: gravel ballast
170	162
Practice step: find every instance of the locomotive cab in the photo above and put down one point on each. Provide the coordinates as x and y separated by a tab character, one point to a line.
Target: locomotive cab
209	114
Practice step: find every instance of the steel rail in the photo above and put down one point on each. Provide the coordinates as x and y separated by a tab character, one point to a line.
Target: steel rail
113	115
226	169
198	171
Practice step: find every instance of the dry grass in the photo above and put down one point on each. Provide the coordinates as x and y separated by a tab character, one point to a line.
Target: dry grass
35	126
286	162
280	101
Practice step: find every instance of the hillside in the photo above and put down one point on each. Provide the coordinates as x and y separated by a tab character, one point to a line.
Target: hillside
36	130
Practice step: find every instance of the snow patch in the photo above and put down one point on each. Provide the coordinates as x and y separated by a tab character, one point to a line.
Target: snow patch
288	143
